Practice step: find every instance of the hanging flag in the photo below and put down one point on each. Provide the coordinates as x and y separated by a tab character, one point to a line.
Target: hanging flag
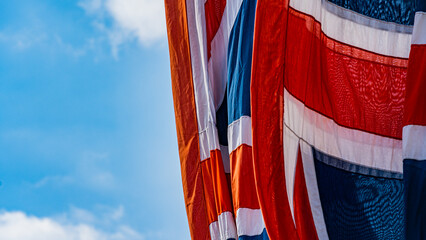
267	92
301	119
210	49
249	220
329	83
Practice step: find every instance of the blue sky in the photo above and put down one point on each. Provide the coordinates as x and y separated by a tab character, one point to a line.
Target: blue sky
88	144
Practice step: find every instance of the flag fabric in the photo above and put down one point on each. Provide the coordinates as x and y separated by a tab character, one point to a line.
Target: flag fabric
248	216
301	119
337	82
210	48
414	130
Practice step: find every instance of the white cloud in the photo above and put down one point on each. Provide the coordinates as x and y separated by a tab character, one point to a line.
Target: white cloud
143	20
117	22
18	225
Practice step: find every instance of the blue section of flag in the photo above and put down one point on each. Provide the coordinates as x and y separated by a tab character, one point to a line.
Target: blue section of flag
239	62
359	206
222	122
420	6
415	197
397	11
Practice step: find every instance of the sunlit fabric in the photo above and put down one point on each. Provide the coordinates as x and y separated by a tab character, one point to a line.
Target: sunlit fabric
211	77
301	119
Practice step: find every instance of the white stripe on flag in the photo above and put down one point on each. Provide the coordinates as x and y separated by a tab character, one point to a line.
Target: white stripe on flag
413	142
355	146
209	78
217	65
419	32
312	188
372	39
249	222
290	145
239	132
224	228
206	113
209	140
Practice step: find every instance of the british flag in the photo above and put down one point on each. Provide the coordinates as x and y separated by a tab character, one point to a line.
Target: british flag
301	119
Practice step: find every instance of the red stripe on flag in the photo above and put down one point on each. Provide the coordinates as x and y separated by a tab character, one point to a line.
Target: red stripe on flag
209	191
216	189
302	209
356	88
214	11
243	184
186	120
267	91
415	99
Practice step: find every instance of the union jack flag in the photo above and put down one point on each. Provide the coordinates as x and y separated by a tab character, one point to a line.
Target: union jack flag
301	119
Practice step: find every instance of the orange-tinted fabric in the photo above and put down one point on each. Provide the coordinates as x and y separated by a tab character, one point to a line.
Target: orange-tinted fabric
243	184
186	120
209	191
216	186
